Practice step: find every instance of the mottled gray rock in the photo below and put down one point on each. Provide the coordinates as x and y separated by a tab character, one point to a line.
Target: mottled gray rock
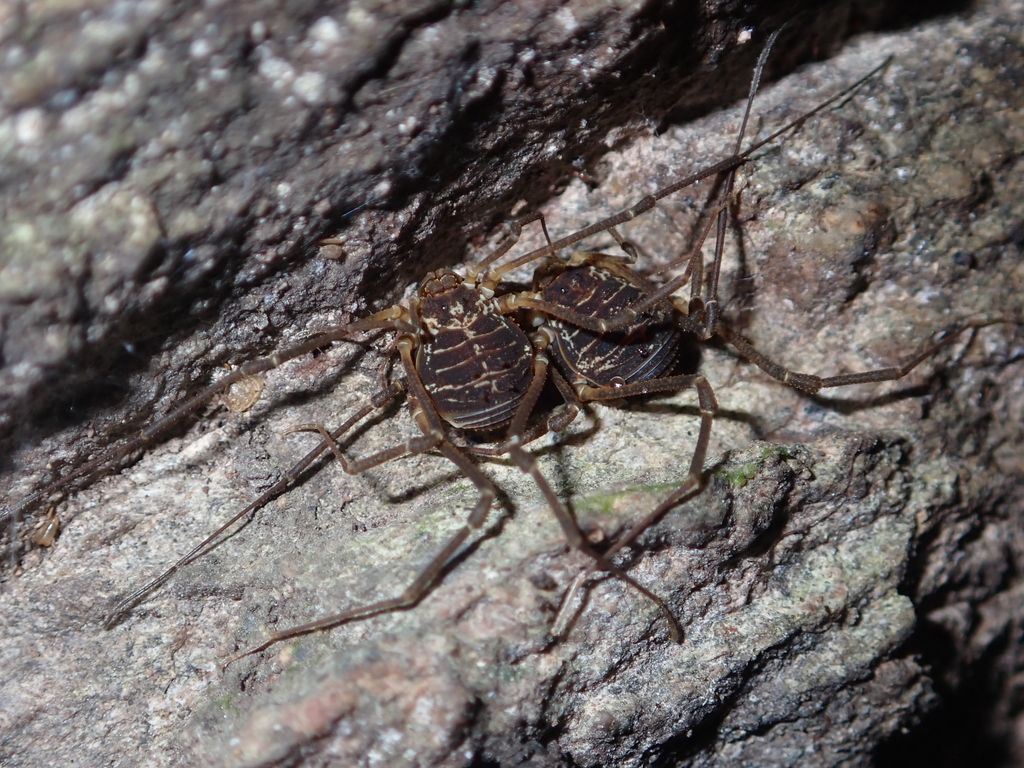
850	571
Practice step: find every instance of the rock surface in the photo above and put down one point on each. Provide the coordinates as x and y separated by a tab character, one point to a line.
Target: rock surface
850	577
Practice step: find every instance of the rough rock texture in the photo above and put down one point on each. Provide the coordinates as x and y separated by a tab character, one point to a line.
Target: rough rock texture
849	579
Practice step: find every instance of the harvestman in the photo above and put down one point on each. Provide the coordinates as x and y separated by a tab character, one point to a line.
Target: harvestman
447	388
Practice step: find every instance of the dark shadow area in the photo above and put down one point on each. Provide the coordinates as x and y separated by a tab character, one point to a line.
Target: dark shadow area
881	16
959	732
965	728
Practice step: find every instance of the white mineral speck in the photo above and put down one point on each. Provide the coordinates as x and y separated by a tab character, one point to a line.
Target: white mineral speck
310	87
29	126
358	18
566	18
324	34
278	71
199	49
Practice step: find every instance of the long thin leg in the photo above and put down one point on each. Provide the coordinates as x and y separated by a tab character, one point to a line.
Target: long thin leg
559	420
127	603
811	384
691	487
412	594
711	305
708	408
515	230
528	464
392	318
